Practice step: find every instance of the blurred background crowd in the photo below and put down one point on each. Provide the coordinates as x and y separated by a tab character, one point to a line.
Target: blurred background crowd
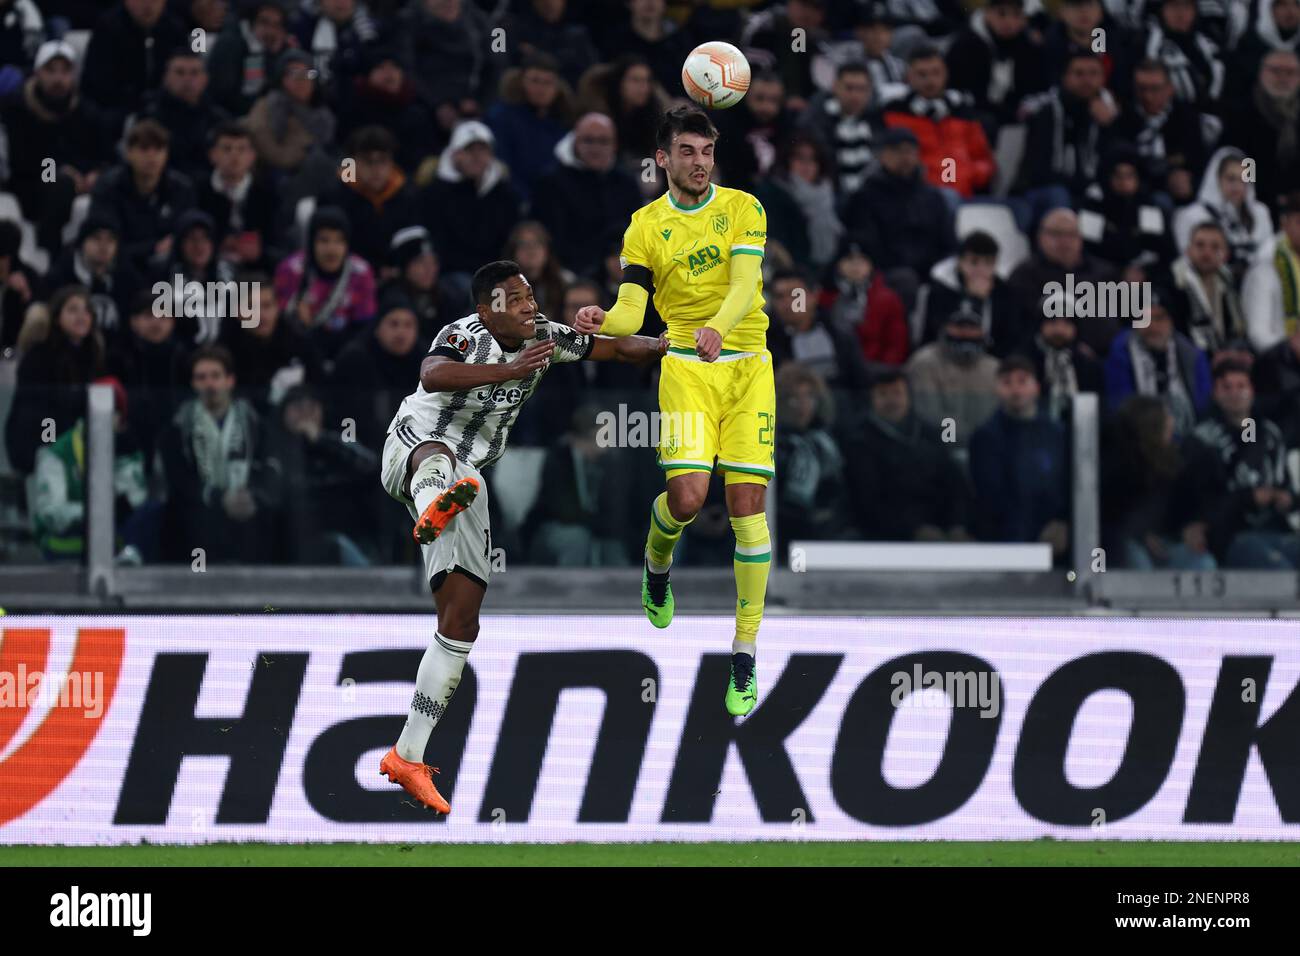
947	186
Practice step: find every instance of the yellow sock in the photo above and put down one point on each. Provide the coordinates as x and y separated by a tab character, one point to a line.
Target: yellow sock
752	560
665	532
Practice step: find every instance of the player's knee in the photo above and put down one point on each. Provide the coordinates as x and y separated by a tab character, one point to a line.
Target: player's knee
685	501
459	627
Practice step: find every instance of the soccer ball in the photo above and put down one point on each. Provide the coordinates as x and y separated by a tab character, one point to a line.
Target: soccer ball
716	75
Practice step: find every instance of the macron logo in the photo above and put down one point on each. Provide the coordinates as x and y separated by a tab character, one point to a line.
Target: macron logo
134	910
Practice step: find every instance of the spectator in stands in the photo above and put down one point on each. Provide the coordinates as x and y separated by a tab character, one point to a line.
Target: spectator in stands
862	304
326	473
755	133
58	502
327	288
800	201
766	40
626	92
183	108
799	331
906	485
385	95
530	246
1152	515
1119	218
272	354
378	201
222	491
19	285
542	26
1266	126
448	44
50	391
650	34
1276	377
873	35
1271	291
1251	495
1155	359
969	280
1018	465
1211	305
471	206
584	192
1276	26
376	370
1059	261
901	215
291	122
998	60
845	123
151	363
813	499
1070	128
1228	198
125	58
584	518
1170	135
242	205
954	381
243	61
531	116
96	262
193	259
49	119
1195	64
144	196
416	271
1061	365
1072	32
954	151
336	34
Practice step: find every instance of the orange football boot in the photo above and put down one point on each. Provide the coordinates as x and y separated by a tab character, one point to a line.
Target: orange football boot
415	778
443	508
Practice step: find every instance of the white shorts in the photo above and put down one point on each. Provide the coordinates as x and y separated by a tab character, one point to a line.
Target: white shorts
466	543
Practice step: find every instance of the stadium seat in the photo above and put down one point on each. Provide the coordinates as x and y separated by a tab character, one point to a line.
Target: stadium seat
80	209
1009	152
302	216
516	479
997	221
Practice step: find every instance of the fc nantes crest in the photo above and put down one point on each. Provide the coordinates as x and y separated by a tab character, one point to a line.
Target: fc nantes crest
720	224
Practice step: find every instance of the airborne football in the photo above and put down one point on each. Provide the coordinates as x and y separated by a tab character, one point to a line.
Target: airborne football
716	75
648	433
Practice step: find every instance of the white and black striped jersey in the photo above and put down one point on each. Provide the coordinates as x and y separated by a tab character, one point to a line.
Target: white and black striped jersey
475	422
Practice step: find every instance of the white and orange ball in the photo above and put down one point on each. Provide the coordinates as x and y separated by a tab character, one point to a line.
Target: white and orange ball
716	75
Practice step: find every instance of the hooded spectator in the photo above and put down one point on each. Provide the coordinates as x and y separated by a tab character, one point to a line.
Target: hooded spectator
1228	197
1276	26
584	192
329	290
96	261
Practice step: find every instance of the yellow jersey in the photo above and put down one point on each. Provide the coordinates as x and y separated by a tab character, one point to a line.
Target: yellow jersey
688	251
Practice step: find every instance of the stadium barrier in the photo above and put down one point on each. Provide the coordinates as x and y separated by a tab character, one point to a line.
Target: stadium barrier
190	730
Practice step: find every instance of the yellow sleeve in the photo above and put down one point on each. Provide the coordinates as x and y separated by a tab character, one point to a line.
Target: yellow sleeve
747	245
628	313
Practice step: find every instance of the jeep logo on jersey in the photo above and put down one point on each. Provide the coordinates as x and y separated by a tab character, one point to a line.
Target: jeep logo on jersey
720	224
500	395
459	341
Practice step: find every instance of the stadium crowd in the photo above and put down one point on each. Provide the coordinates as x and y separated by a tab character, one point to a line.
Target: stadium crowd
947	188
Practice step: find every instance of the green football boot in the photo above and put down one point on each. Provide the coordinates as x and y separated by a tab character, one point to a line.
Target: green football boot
742	688
657	597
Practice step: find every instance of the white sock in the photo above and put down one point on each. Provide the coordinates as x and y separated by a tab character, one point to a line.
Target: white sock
655	567
435	682
430	480
744	647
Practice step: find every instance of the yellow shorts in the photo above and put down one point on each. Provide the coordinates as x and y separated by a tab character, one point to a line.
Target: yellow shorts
723	410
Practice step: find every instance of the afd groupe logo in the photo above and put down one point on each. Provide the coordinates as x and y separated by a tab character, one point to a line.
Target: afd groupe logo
98	910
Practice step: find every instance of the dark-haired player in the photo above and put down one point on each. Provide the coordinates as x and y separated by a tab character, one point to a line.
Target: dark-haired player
479	372
699	249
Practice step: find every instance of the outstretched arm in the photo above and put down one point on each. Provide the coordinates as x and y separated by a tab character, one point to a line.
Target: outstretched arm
441	374
624	316
636	349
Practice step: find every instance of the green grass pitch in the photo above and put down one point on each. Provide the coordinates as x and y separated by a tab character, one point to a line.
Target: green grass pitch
1035	853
